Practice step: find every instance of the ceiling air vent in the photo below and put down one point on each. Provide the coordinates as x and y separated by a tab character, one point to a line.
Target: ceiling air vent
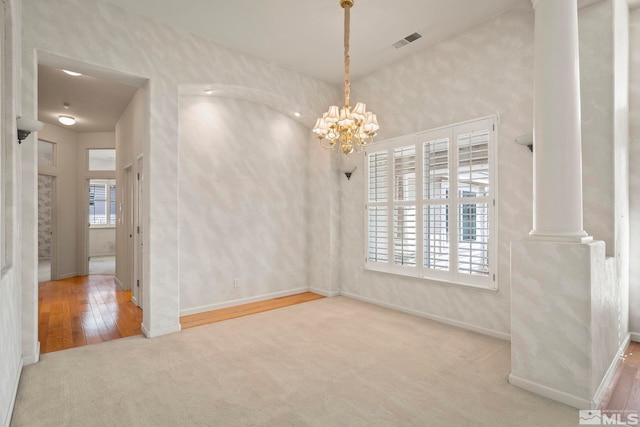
405	41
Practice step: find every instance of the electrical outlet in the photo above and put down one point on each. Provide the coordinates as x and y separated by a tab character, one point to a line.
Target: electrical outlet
357	278
236	283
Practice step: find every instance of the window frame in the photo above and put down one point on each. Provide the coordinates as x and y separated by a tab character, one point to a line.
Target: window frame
452	199
108	201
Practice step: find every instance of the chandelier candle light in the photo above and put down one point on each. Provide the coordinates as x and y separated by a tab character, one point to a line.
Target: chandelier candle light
343	128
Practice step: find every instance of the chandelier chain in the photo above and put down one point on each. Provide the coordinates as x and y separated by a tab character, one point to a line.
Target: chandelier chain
347	58
345	129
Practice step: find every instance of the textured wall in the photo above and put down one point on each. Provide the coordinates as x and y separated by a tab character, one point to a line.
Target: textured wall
634	173
485	70
117	40
243	202
596	91
45	212
11	348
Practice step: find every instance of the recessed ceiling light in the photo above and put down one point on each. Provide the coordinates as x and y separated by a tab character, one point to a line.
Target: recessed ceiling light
67	120
297	114
72	73
208	91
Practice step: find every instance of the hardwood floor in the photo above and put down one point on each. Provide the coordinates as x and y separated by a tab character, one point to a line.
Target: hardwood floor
84	310
245	309
624	394
91	309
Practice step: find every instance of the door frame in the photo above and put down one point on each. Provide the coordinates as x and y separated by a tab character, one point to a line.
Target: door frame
128	275
137	294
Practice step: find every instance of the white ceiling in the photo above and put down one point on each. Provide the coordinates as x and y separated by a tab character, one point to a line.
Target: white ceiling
95	103
302	35
306	35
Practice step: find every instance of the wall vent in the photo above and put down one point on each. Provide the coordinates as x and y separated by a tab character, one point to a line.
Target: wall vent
405	41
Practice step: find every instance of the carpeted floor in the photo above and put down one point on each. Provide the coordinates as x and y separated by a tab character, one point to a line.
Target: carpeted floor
330	362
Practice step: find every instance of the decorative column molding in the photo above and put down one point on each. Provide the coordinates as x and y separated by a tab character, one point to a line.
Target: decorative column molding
557	156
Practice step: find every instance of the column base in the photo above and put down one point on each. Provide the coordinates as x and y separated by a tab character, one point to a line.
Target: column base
563	331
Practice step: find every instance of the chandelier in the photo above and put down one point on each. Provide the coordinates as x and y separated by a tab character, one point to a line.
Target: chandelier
342	128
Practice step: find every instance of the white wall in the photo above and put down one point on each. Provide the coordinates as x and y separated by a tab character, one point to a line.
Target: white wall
604	57
118	40
129	135
634	174
621	162
596	87
484	70
13	352
102	241
66	171
243	202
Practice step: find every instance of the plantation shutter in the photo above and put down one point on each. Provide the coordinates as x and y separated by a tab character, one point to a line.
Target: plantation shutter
378	238
435	158
473	210
404	209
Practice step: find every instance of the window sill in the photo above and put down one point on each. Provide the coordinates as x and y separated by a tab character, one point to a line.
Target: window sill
101	227
445	282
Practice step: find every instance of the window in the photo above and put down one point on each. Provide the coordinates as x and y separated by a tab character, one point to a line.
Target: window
46	153
102	203
102	159
431	204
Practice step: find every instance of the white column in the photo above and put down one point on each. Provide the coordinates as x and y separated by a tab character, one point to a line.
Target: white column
557	188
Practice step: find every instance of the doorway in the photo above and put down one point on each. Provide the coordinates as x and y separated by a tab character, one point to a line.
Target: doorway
91	206
102	226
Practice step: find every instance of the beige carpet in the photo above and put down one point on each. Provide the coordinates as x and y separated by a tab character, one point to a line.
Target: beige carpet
330	362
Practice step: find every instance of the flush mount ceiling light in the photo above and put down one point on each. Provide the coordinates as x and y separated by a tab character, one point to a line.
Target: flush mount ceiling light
208	91
343	128
67	120
72	73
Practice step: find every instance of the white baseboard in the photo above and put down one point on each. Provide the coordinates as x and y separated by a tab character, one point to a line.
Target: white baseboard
635	336
217	306
32	359
608	377
551	393
14	394
160	332
325	293
457	323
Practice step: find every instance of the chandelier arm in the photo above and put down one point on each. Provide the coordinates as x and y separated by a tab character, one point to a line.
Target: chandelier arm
347	58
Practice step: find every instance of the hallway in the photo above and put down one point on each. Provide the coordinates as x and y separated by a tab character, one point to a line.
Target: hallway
84	310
